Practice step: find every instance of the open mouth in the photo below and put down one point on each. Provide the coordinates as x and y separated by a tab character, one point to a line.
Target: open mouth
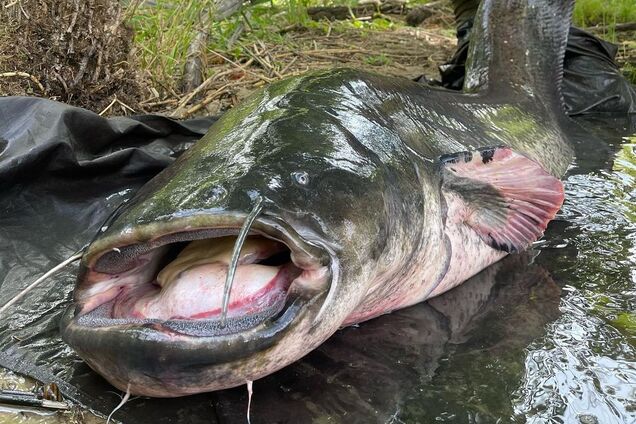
177	281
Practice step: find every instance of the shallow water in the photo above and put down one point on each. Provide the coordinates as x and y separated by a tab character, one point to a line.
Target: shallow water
548	336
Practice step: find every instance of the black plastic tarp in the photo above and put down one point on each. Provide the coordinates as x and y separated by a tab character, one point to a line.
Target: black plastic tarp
592	80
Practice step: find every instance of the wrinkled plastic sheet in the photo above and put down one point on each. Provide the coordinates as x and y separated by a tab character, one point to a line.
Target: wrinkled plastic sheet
63	170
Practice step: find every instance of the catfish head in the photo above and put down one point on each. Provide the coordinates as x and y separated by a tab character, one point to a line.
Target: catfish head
280	195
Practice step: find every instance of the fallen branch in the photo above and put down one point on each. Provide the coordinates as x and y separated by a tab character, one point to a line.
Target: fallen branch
207	100
362	11
256	55
187	99
147	103
193	69
115	100
230	61
627	26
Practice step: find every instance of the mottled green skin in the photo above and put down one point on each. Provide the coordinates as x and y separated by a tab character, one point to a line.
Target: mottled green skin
369	145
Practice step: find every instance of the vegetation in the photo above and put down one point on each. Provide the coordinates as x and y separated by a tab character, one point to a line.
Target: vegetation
165	29
603	12
270	39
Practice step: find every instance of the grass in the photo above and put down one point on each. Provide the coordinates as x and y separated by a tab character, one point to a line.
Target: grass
606	13
378	60
603	12
163	33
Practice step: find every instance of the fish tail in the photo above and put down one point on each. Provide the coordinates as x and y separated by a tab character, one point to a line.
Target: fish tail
520	43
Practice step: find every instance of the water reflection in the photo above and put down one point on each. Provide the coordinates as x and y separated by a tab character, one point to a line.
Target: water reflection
584	368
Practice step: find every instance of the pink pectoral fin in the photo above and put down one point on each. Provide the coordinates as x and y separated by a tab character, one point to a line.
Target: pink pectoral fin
505	197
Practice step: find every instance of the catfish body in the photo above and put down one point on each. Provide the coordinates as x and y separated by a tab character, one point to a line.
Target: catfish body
381	192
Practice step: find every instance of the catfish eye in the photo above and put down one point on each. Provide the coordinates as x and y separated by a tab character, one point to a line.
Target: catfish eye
300	177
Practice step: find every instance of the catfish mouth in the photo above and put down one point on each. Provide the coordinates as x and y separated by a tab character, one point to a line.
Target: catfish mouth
175	283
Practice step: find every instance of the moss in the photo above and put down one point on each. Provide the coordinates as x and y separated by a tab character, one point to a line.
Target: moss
625	322
515	122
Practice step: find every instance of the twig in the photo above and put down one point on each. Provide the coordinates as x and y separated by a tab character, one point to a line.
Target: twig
246	19
289	65
270	58
108	107
433	35
158	103
125	106
26	15
289	28
130	10
24	75
193	69
235	35
186	99
61	80
627	26
207	100
263	77
255	55
83	64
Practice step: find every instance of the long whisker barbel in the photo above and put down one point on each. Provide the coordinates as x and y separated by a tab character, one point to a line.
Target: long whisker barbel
238	245
46	275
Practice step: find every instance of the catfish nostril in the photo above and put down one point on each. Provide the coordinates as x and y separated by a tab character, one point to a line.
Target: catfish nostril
217	193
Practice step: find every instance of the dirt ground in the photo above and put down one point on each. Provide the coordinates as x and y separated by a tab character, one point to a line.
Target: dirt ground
406	52
72	51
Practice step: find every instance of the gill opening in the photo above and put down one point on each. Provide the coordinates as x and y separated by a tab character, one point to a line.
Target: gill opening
238	245
331	294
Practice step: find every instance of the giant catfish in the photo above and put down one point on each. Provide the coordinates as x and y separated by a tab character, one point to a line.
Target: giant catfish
326	200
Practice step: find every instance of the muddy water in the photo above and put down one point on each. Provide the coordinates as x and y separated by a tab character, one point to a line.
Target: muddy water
548	336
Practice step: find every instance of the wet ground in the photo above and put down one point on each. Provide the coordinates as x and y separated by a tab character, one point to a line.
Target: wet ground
547	336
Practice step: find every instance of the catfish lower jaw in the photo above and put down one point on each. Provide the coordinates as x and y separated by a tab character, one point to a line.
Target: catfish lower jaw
160	362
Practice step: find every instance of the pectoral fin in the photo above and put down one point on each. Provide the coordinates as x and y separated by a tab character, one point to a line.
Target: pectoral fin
503	196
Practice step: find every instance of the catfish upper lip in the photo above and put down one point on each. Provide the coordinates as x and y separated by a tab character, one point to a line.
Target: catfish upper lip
123	247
